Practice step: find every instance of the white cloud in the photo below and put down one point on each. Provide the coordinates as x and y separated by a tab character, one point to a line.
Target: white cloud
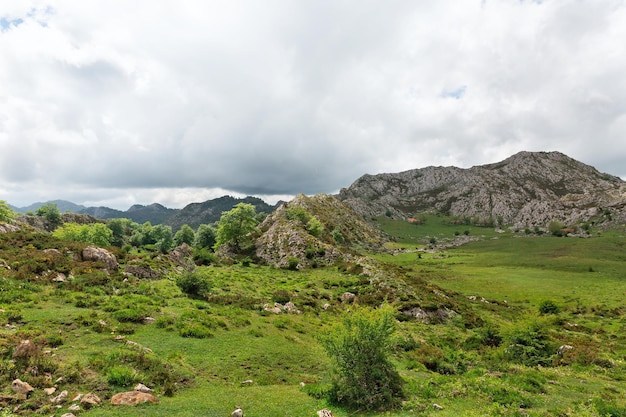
135	102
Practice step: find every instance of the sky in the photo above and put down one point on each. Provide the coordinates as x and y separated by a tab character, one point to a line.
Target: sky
115	103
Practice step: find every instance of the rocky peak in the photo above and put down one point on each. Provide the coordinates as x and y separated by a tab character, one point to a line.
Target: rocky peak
528	188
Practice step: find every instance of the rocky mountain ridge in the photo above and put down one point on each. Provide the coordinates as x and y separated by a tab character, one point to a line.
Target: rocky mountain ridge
526	189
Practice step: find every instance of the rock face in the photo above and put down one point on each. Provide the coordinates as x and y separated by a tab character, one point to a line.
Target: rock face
133	398
95	254
7	228
527	189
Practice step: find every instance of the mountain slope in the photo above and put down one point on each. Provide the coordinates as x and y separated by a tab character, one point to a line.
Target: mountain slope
528	188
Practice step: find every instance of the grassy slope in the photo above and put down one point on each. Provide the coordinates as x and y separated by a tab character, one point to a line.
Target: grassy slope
441	363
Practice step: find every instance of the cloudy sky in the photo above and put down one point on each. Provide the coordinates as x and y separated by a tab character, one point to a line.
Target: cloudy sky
111	102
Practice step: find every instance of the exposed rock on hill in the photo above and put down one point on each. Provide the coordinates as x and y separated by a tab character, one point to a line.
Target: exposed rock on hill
527	189
288	236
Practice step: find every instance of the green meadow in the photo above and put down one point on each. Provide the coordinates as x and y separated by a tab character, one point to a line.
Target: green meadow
516	299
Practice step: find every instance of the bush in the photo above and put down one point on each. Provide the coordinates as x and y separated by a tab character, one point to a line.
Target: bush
365	377
129	315
549	307
121	376
193	284
530	346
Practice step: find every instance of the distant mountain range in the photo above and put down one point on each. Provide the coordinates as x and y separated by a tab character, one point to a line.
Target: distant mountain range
193	214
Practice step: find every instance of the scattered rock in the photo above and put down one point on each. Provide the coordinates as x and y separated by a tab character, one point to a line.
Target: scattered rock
90	400
49	391
348	297
326	306
247	382
564	348
436	316
78	397
142	388
94	254
437	407
59	398
60	278
148	320
325	413
142	271
291	308
133	398
237	413
24	349
20	387
74	407
68	415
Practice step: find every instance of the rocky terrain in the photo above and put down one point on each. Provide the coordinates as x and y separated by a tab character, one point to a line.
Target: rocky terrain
526	189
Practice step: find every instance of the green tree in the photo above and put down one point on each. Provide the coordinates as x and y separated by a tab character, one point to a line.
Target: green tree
314	226
162	235
98	234
184	235
122	229
365	378
6	214
205	236
236	226
51	213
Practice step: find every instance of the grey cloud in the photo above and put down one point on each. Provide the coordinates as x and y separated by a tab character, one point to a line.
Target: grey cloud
277	98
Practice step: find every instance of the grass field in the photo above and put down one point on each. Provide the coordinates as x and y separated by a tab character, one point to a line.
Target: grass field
495	356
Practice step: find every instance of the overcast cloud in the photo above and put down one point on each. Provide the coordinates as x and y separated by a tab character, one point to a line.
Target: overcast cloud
122	102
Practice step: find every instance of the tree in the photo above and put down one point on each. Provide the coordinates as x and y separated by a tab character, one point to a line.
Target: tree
205	236
6	214
236	226
365	378
98	233
51	213
184	235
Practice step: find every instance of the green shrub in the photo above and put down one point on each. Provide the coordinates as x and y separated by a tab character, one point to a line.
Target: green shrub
281	296
121	376
204	256
530	346
195	330
365	378
129	315
337	236
549	307
193	284
292	263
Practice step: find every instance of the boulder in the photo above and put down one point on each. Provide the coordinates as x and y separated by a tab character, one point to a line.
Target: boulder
24	349
182	255
90	400
49	391
142	272
133	398
20	387
95	254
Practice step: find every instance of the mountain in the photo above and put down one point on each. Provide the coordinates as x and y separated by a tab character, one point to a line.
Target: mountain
154	213
62	205
526	189
210	211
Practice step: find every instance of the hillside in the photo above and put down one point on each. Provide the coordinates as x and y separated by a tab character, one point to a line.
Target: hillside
526	189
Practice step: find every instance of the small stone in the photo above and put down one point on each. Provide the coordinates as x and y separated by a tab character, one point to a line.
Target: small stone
90	400
247	382
74	407
49	391
68	415
325	413
142	388
437	407
59	398
78	397
237	413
